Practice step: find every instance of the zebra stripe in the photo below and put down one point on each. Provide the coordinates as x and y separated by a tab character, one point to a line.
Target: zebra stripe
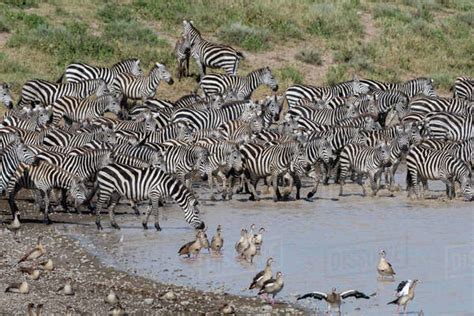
426	105
77	72
242	87
464	88
428	164
410	87
46	93
62	138
208	54
36	120
182	53
142	184
12	156
449	126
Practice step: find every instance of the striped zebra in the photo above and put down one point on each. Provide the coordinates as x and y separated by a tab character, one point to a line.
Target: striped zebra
8	135
138	184
11	157
426	105
464	88
141	87
76	109
298	92
182	53
449	126
320	155
324	116
241	131
59	137
46	93
202	119
138	151
27	137
5	95
241	86
410	88
463	150
178	130
208	54
77	72
144	123
390	100
44	177
37	119
425	164
262	161
399	147
364	160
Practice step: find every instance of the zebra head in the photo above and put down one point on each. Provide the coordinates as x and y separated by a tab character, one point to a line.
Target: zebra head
370	124
23	152
78	191
113	103
414	133
325	150
163	73
106	135
358	87
157	161
5	95
272	106
427	88
300	164
102	88
234	160
44	115
190	32
135	69
466	187
192	213
185	132
382	152
267	78
403	139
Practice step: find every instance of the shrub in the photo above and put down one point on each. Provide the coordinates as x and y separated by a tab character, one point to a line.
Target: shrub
310	56
131	31
247	37
291	74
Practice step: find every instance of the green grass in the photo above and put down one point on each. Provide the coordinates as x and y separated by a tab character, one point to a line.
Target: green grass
412	37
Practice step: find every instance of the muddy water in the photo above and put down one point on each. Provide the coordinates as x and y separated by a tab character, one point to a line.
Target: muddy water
330	242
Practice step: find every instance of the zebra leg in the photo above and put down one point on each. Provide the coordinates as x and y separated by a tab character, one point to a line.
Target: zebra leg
253	191
114	198
45	196
374	181
298	185
12	202
155	208
317	179
275	186
225	190
210	181
135	208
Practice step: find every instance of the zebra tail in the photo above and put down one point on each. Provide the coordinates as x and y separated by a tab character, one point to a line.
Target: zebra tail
60	80
240	55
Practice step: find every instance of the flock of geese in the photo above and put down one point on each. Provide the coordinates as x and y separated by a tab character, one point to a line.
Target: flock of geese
249	245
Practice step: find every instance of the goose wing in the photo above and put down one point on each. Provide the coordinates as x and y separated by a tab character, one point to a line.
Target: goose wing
255	279
403	287
315	295
353	293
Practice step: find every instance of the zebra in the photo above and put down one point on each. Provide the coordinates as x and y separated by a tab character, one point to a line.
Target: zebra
141	87
241	86
28	137
77	110
202	119
37	119
261	161
138	151
387	100
325	116
463	150
182	53
364	160
428	164
425	105
208	54
178	130
5	95
320	155
410	88
46	93
399	147
145	123
448	126
138	184
8	135
77	72
12	156
464	88
59	137
44	177
241	131
298	92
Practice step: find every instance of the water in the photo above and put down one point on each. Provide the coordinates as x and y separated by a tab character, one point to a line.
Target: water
330	242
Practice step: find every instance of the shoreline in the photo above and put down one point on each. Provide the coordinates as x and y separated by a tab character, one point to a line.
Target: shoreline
93	279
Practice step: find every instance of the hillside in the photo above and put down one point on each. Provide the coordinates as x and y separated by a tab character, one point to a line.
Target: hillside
315	43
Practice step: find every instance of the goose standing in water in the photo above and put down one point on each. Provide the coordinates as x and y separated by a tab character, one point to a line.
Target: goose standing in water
334	299
272	287
259	237
192	247
384	268
262	276
250	252
217	241
405	293
243	242
205	241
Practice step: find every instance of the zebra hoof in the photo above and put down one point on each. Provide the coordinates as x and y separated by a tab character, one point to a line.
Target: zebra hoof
157	226
145	226
114	225
252	198
310	195
47	221
99	226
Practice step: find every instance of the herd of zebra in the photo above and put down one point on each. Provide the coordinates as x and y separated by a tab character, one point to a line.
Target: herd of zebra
57	136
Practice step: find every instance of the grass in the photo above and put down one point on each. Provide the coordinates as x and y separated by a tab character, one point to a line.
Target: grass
412	37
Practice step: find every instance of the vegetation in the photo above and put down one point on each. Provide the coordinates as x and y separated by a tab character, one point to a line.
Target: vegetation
385	41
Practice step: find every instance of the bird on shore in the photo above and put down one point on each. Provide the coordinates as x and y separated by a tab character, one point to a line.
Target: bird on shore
262	276
70	310
117	310
34	311
243	242
34	253
405	293
227	309
192	247
112	298
251	249
384	267
205	244
21	288
33	272
47	265
15	225
217	241
66	289
334	299
272	287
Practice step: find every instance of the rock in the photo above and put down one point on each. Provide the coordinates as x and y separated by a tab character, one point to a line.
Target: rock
148	301
266	309
169	296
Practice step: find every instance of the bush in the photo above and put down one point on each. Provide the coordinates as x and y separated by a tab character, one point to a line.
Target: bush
247	37
291	74
310	56
23	4
113	12
131	31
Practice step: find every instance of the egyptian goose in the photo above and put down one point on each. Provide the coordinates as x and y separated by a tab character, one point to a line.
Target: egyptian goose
251	250
227	309
47	265
192	247
34	253
405	293
32	271
67	288
205	241
217	241
334	299
272	287
112	298
32	311
262	276
385	268
243	242
21	288
259	237
117	310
